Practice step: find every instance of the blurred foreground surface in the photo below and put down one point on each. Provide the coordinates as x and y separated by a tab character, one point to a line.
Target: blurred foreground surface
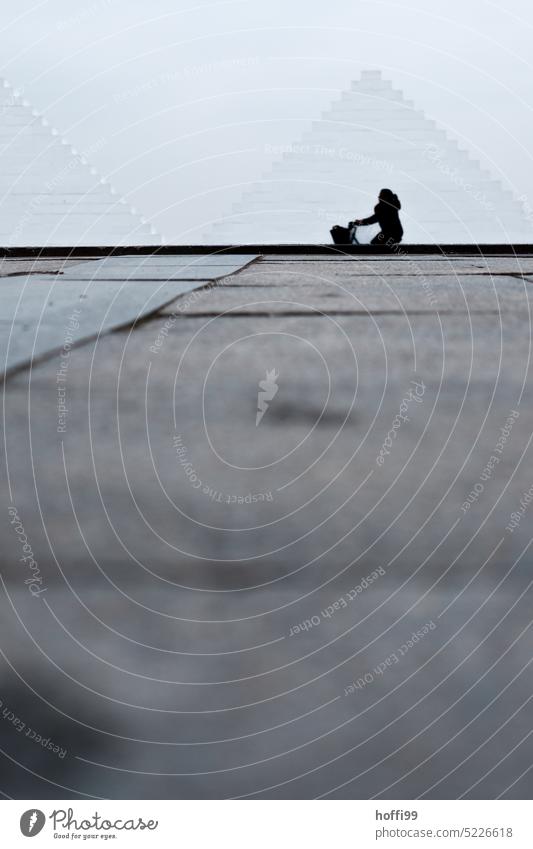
275	541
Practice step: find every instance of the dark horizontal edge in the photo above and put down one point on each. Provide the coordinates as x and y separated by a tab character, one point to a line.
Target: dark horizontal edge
318	250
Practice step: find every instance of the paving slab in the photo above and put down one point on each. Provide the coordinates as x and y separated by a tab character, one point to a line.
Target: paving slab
263	274
306	293
404	265
40	265
173	260
45	312
159	268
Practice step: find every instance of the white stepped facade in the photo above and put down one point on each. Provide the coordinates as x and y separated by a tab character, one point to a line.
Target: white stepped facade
49	195
373	138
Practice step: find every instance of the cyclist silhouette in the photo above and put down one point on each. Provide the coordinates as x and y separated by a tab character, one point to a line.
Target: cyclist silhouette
385	214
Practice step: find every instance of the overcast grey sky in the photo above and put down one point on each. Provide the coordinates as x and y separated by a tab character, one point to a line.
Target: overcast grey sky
176	101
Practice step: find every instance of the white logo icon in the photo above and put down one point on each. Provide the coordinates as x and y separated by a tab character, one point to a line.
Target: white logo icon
268	389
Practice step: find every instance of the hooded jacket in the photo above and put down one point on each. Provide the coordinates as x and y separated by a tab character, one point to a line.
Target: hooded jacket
386	215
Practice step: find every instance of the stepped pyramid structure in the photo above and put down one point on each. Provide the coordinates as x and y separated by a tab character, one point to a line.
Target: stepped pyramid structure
48	193
373	138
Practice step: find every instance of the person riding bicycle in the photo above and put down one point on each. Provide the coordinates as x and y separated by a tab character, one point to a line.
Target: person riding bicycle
385	214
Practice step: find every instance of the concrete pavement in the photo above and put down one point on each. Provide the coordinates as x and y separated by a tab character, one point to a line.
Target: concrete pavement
331	598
